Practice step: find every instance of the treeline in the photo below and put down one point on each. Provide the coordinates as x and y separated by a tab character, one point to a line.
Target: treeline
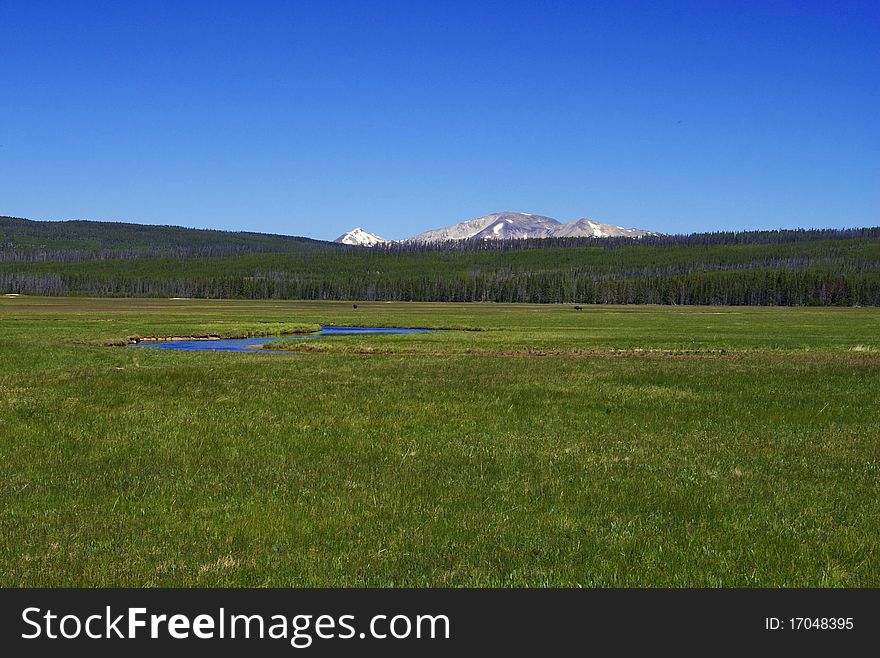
768	268
79	255
778	287
653	240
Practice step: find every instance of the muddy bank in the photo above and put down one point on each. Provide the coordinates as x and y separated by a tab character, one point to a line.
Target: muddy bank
134	340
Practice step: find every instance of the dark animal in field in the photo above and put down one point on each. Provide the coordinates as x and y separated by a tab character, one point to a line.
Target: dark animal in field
578	308
354	305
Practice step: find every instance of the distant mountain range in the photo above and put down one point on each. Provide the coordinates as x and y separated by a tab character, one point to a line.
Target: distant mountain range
504	226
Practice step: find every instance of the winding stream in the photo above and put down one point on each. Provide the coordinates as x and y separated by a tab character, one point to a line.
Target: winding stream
247	344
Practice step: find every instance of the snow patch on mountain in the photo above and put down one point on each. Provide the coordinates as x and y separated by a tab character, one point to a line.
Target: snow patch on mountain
360	237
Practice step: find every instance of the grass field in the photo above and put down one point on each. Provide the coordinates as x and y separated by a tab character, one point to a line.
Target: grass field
616	446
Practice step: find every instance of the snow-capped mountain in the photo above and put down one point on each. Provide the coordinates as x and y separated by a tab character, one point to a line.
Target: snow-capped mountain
360	237
505	226
513	225
587	228
499	225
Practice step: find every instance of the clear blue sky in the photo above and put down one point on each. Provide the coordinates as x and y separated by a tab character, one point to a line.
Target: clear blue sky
311	117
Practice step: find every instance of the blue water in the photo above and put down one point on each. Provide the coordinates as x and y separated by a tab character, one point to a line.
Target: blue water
243	344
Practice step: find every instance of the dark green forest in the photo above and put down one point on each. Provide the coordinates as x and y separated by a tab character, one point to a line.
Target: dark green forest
25	239
799	267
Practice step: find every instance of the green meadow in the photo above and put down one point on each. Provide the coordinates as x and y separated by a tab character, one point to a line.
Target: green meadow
526	445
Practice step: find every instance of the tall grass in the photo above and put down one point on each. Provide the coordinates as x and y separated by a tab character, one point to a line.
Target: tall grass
618	446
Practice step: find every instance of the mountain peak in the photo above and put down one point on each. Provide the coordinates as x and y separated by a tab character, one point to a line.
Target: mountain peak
517	225
497	226
359	237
